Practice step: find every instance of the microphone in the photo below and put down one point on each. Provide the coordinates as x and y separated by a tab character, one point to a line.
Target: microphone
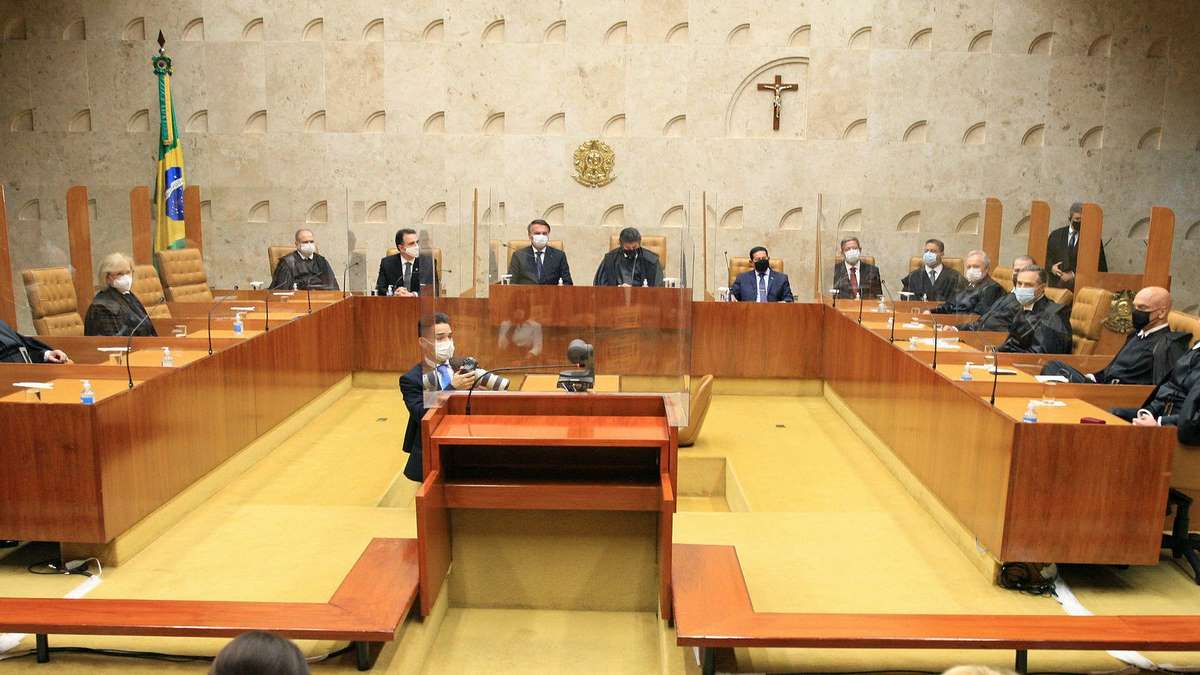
860	306
129	342
210	311
995	377
833	292
892	337
345	278
267	309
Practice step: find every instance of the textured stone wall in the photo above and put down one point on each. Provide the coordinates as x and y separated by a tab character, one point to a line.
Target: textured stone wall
359	117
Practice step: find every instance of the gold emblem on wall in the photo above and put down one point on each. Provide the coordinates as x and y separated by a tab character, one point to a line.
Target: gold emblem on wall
1120	315
594	162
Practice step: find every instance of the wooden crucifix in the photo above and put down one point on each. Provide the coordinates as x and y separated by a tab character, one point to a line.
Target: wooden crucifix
777	104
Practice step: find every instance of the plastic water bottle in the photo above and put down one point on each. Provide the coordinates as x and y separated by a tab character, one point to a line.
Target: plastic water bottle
238	326
168	361
87	395
391	291
295	287
1030	414
645	283
966	373
882	306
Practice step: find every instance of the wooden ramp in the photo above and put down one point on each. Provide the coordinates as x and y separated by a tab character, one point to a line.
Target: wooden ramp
367	609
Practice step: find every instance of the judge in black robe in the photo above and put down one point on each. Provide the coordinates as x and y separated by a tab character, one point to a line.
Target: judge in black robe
117	313
629	264
1039	326
11	343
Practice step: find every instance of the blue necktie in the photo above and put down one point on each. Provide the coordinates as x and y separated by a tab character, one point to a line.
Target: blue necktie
444	376
762	288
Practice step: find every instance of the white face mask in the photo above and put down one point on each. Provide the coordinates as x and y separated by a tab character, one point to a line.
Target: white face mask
974	274
123	283
442	351
1025	295
930	258
308	248
852	255
541	240
412	251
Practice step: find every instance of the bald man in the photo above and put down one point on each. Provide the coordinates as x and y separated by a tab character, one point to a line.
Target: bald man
1149	352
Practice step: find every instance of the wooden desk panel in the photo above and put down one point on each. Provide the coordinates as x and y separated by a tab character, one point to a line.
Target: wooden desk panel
592	430
1071	413
67	390
757	340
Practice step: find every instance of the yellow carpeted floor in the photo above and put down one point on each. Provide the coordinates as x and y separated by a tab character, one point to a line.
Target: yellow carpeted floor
820	525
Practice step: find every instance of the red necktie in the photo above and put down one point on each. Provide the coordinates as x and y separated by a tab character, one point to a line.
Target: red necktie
854	279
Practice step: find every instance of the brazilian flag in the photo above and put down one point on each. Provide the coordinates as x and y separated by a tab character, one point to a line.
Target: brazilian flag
169	181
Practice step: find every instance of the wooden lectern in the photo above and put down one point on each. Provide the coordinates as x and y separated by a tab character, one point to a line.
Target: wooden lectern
545	451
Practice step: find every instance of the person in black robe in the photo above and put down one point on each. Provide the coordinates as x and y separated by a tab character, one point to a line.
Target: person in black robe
1149	352
11	343
304	268
629	264
980	291
115	310
932	280
1038	326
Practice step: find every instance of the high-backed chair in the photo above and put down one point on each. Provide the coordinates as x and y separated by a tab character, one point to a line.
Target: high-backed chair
955	264
52	301
437	261
183	276
275	252
1184	323
739	265
515	245
148	289
656	243
1088	313
700	399
1062	296
1004	277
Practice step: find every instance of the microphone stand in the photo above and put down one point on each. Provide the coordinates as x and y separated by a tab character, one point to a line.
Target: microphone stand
935	343
267	309
860	306
129	342
210	311
308	293
834	292
995	377
509	369
345	279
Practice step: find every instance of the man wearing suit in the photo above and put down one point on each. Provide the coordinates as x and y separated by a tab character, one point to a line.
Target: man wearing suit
1061	248
933	281
406	271
437	346
852	277
11	343
538	263
980	292
761	284
304	267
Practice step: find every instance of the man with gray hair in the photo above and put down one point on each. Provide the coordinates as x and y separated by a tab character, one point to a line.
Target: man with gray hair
1000	314
981	291
1061	247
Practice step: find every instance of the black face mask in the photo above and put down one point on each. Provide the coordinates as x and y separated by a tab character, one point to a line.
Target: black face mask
629	255
1141	319
762	264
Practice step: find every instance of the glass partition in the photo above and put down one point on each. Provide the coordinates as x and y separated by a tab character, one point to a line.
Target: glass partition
39	252
639	338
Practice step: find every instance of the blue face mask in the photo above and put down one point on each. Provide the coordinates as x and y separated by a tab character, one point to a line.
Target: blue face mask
930	259
1024	295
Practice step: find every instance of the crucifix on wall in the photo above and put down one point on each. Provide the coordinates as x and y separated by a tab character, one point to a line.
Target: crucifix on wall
778	87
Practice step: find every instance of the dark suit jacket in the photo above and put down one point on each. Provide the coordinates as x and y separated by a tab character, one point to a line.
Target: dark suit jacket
745	287
1189	419
414	400
948	283
391	273
1057	251
1168	347
11	342
972	300
648	269
115	313
869	283
1041	330
288	272
523	267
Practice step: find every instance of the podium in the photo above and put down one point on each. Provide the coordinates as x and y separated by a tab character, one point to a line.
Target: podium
545	451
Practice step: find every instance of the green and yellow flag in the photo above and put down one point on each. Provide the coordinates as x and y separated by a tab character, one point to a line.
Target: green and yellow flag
169	181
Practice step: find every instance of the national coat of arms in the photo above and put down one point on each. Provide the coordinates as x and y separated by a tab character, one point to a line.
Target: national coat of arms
594	164
1120	315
